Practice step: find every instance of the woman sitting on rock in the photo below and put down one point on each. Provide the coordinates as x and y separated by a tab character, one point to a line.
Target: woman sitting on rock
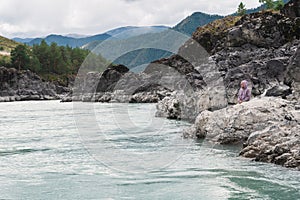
244	92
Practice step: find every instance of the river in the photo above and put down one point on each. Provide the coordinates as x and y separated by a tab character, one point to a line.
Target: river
49	151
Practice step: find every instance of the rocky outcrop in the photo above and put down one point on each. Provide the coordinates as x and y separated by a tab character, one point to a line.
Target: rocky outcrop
235	123
256	47
26	85
118	84
174	66
110	77
262	48
293	75
263	68
264	30
211	35
268	127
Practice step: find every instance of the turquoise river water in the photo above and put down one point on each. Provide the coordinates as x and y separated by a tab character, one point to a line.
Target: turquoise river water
51	150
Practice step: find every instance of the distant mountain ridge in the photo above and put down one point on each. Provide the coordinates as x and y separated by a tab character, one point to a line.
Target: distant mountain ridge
74	40
146	56
131	31
75	35
22	40
69	41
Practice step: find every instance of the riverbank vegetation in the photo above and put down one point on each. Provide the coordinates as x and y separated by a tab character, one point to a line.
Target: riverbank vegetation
52	62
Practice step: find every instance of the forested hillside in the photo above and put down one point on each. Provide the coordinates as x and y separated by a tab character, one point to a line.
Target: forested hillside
52	62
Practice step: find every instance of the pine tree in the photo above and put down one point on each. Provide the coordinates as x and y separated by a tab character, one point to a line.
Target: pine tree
56	60
20	57
279	5
35	64
241	9
271	4
52	62
42	52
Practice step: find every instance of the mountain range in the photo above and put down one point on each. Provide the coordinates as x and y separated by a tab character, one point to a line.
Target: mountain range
139	58
75	40
186	26
125	35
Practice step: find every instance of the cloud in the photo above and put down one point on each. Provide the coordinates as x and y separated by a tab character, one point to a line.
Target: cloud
33	18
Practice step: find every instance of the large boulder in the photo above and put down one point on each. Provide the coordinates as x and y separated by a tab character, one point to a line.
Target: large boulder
170	108
293	74
186	106
187	100
278	144
173	67
260	124
279	91
110	77
294	67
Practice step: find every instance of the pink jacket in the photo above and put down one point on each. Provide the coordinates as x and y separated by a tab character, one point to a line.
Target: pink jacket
244	94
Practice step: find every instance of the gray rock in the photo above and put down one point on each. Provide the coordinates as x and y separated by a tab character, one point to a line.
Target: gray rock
279	91
293	74
144	97
169	108
25	85
260	124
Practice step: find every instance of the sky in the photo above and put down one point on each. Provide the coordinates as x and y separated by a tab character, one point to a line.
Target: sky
36	18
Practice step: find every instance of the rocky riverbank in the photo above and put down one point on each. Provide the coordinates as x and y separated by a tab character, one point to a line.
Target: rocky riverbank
267	127
264	49
25	85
